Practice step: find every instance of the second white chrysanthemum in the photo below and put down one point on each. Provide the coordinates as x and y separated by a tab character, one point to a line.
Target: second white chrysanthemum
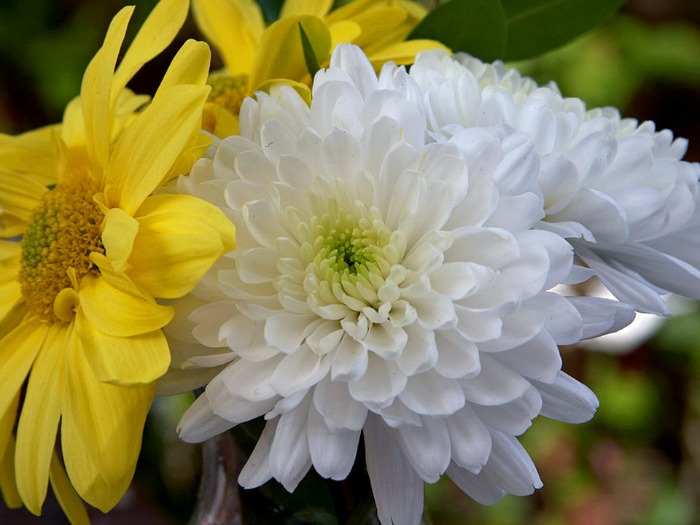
383	287
617	190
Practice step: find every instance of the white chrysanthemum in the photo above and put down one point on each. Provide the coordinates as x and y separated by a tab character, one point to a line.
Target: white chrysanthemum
384	287
618	191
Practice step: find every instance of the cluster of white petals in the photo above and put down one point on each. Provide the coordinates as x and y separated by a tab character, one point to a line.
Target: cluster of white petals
616	190
392	282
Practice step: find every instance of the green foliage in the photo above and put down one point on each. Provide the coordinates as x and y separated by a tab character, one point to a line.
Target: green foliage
608	66
512	29
270	9
476	26
309	53
628	401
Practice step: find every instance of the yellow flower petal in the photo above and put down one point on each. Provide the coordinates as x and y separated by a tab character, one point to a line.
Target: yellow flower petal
118	313
18	349
380	25
234	28
7	423
101	431
150	146
179	239
73	125
10	252
38	422
344	32
10	291
8	486
11	226
124	361
96	92
317	8
403	52
356	8
118	236
12	319
219	121
156	33
19	195
31	154
189	66
281	54
118	280
302	89
192	153
69	500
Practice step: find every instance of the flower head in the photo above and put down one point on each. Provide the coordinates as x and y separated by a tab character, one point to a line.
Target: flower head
382	286
79	320
617	190
256	57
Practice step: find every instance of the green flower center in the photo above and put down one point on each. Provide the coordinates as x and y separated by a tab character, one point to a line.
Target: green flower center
65	229
348	258
348	250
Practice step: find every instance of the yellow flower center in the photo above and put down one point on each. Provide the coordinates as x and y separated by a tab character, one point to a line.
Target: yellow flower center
228	91
65	229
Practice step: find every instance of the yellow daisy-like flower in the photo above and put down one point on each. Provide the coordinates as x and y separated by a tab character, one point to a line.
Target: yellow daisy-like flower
256	57
79	322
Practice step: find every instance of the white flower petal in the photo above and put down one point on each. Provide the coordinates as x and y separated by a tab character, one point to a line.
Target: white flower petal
470	440
509	466
631	289
427	447
429	393
478	325
258	265
512	418
458	357
350	360
397	488
379	385
256	470
339	410
332	451
538	358
199	423
420	353
397	415
298	371
494	385
475	485
286	331
599	213
385	340
289	456
233	408
601	316
251	380
567	400
263	223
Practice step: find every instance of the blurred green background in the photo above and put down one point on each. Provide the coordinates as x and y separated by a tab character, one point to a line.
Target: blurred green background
636	463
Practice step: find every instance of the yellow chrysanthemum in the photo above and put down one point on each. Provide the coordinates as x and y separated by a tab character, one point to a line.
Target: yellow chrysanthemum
80	328
255	56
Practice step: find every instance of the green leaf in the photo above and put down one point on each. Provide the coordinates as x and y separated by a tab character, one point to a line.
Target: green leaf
271	9
309	53
475	26
537	26
512	29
